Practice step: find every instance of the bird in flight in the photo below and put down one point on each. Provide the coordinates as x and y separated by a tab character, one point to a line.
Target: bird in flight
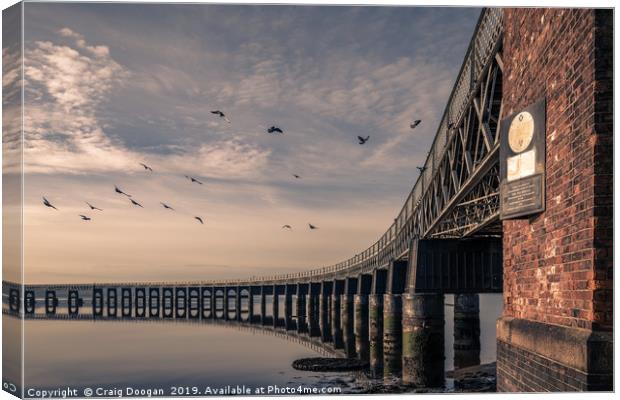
296	176
135	203
286	226
85	218
166	206
415	123
47	203
146	167
422	169
194	180
275	129
363	140
221	115
312	226
117	190
199	219
93	207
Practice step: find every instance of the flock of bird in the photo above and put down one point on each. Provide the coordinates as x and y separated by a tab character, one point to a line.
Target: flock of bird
272	130
84	217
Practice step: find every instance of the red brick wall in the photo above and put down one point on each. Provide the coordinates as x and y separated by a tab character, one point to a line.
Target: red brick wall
558	264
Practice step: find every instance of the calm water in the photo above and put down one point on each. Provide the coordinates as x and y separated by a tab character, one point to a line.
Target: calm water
163	354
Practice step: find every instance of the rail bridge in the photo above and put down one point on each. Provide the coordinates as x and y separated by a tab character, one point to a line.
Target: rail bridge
382	304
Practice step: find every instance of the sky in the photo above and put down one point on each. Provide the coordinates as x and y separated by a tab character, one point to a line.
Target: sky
109	86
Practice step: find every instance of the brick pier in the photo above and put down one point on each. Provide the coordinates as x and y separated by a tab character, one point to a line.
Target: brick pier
556	329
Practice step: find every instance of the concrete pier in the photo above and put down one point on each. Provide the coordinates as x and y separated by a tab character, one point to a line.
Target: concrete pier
466	330
300	308
346	319
335	322
263	306
154	302
288	308
326	290
112	307
238	298
360	301
362	343
375	333
392	335
347	315
275	307
312	308
251	292
226	304
98	302
423	340
375	322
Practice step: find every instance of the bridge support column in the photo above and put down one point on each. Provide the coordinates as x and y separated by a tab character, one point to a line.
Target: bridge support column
347	316
375	322
362	344
423	340
213	303
392	335
375	333
326	290
251	292
392	319
263	305
238	304
466	330
275	306
338	287
300	305
313	309
226	303
288	307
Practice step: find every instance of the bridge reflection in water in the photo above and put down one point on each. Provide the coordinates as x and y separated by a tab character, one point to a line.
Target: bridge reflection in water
345	325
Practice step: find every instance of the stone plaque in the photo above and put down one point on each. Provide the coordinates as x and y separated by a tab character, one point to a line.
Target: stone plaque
522	162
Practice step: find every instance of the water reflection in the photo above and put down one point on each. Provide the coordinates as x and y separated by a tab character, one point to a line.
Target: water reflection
81	351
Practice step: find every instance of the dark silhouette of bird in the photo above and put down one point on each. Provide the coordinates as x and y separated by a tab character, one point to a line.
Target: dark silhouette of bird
199	220
146	167
166	206
451	125
85	218
363	140
135	203
275	129
194	180
312	226
422	169
221	115
296	176
117	190
47	203
286	227
415	123
93	207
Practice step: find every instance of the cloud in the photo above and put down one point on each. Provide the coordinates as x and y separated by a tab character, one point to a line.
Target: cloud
12	110
100	51
65	89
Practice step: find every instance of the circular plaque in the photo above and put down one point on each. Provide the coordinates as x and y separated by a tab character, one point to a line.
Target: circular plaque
521	132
